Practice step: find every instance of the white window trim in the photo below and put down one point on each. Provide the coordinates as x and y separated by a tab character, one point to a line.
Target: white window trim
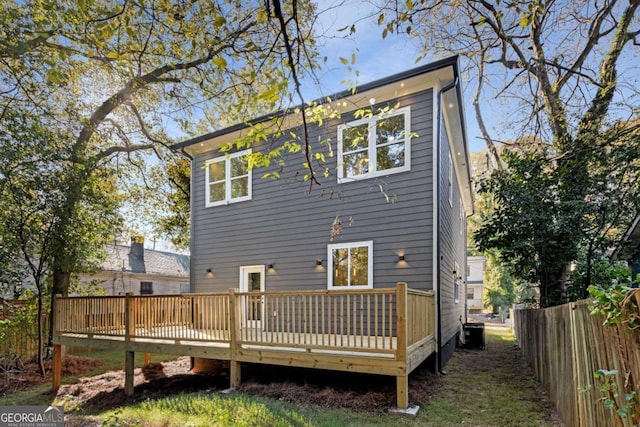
227	164
450	178
331	247
406	111
461	216
456	282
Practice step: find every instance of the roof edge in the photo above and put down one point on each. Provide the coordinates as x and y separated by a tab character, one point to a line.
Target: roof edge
451	61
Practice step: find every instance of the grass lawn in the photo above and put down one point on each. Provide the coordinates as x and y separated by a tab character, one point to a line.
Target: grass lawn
490	387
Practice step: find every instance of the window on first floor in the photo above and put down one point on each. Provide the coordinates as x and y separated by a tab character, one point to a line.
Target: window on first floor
146	288
350	265
228	179
470	294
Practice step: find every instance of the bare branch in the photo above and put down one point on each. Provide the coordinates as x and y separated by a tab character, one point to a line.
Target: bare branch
277	10
120	149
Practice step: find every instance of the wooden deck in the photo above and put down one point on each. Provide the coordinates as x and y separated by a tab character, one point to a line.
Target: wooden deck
383	331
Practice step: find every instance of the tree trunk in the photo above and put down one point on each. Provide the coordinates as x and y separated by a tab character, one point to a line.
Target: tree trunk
61	281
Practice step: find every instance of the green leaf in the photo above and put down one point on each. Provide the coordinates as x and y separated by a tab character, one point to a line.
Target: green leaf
220	62
381	19
345	61
409	4
219	21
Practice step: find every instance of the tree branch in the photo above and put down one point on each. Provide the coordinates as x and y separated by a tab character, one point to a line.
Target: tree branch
277	10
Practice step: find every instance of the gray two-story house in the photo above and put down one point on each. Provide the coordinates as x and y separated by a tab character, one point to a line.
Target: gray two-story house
391	207
363	271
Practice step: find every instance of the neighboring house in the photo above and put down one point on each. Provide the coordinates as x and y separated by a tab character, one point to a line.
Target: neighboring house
141	271
398	192
475	284
629	248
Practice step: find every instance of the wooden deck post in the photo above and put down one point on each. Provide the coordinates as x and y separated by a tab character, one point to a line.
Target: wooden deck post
147	359
235	373
129	365
57	366
129	356
402	381
129	318
57	348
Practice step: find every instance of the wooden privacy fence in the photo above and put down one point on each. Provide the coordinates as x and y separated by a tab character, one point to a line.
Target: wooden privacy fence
18	335
565	346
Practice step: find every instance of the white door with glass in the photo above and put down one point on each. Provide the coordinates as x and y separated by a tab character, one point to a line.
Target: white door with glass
252	280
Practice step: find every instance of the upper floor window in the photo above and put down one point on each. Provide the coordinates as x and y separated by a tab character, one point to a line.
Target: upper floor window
450	179
228	179
374	146
351	265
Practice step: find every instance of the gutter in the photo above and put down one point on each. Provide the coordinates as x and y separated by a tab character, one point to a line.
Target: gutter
438	246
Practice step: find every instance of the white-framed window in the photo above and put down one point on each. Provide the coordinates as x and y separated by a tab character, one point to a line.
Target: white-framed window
457	277
450	179
350	265
228	179
461	216
375	146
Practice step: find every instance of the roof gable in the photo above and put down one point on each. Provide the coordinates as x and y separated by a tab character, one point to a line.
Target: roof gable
120	258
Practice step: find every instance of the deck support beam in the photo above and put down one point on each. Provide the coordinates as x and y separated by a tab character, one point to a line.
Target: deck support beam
235	373
129	365
147	359
57	366
402	391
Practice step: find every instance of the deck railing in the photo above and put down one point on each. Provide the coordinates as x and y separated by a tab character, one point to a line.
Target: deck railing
340	320
379	321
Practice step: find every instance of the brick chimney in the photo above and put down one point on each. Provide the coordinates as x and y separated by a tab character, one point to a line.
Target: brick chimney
137	247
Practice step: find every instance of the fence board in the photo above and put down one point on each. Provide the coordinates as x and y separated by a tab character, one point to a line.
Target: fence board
565	346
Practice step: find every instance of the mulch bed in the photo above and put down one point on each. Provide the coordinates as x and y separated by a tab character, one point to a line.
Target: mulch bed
28	375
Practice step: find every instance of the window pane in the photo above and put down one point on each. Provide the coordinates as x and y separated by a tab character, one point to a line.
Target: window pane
355	164
216	171
355	138
239	166
360	266
390	156
390	130
239	187
340	267
217	192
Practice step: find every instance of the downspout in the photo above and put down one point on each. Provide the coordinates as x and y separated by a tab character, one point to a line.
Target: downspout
438	246
191	260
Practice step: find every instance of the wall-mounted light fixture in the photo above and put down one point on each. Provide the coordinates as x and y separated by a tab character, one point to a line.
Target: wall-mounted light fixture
319	262
270	266
209	272
401	258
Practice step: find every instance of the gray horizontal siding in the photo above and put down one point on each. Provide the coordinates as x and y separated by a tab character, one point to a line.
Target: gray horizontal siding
285	226
452	249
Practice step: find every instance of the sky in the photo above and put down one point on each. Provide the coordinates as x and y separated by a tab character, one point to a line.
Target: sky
375	57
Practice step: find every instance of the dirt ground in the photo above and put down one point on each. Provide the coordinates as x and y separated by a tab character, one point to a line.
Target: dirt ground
28	375
370	393
323	388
